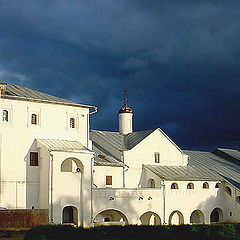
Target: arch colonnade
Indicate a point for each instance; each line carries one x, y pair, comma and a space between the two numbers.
112, 216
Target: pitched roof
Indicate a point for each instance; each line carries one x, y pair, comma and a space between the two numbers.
62, 145
104, 159
110, 145
117, 140
13, 91
201, 166
230, 154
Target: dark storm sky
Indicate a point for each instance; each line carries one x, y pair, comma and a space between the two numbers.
179, 60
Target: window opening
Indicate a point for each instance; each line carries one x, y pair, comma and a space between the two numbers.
229, 191
108, 180
190, 186
5, 116
157, 157
174, 186
151, 183
33, 159
72, 123
34, 119
107, 219
205, 185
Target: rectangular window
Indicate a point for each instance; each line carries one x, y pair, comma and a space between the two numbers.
157, 157
33, 159
108, 180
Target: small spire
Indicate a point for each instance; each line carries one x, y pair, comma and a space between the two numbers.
125, 108
125, 97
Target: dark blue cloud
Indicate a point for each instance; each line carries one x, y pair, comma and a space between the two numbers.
179, 60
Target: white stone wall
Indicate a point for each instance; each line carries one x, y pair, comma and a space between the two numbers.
100, 173
72, 188
17, 138
143, 153
133, 203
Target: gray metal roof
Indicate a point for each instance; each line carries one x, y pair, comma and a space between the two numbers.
112, 144
201, 166
178, 173
103, 159
13, 91
231, 153
117, 140
62, 145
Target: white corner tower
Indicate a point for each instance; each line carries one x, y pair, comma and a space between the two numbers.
125, 117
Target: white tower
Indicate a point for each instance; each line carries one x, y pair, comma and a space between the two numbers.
125, 117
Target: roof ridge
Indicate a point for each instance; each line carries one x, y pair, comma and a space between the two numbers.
18, 92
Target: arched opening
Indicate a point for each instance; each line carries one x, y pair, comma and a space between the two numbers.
218, 185
151, 183
174, 186
72, 122
216, 215
229, 191
70, 215
71, 165
190, 186
197, 216
34, 119
110, 217
205, 185
150, 218
176, 218
238, 199
5, 116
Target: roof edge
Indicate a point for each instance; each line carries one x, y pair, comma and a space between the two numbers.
47, 101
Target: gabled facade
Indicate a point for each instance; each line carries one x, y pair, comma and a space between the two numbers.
49, 159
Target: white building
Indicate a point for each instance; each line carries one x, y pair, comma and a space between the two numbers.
48, 161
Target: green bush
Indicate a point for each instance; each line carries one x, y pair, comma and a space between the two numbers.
134, 232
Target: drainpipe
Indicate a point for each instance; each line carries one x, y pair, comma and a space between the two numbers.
125, 168
16, 192
92, 162
51, 187
88, 119
164, 202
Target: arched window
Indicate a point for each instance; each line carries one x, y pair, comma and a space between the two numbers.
174, 186
229, 191
205, 185
190, 186
5, 116
151, 183
34, 119
238, 199
72, 123
218, 185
